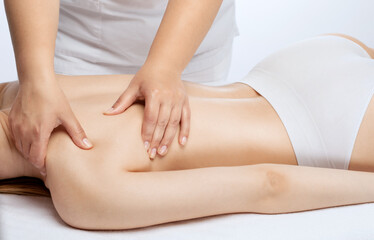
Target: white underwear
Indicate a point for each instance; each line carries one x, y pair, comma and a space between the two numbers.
320, 88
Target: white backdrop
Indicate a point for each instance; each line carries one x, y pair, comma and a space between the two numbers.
265, 26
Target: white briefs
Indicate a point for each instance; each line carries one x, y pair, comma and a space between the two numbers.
320, 88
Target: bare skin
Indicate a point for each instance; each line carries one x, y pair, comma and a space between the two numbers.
116, 185
240, 102
33, 27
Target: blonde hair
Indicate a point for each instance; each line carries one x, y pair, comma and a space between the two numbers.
24, 186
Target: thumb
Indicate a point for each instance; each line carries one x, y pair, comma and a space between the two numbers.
127, 98
76, 131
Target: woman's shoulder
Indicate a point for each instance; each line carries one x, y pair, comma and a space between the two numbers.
8, 91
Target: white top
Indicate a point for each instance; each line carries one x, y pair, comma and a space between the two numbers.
114, 36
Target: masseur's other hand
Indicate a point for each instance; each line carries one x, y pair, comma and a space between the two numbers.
36, 111
166, 106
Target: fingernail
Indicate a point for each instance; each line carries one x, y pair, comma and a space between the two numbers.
146, 145
37, 165
87, 142
184, 140
153, 153
43, 172
110, 110
162, 150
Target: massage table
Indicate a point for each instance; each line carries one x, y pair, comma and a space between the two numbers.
34, 218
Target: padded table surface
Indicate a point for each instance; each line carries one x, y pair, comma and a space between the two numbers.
24, 217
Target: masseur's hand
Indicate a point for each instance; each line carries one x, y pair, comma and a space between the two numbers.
166, 106
36, 111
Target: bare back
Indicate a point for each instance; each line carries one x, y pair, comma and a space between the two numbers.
234, 126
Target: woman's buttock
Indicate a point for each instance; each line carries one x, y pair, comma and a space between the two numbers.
362, 157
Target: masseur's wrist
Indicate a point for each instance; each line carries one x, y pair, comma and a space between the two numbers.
41, 79
168, 71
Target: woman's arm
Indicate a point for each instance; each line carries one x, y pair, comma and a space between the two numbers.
125, 200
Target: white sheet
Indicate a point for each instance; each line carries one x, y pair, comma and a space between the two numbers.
32, 218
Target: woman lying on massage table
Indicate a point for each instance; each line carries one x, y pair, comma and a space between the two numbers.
308, 105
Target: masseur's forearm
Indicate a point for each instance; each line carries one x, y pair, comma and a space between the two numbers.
183, 27
33, 27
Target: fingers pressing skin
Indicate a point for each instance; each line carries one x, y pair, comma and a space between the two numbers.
38, 152
151, 111
127, 98
19, 136
185, 123
76, 131
36, 111
165, 131
13, 133
166, 103
26, 146
170, 131
158, 132
29, 142
161, 122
